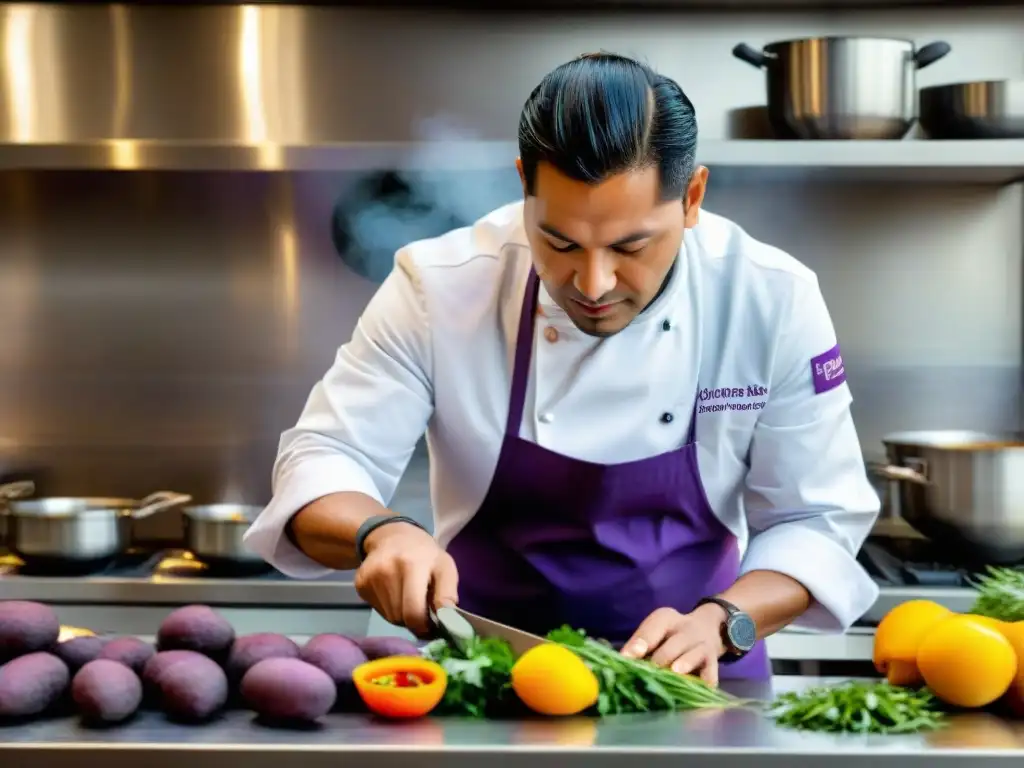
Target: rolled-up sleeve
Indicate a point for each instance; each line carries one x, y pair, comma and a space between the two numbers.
361, 422
809, 503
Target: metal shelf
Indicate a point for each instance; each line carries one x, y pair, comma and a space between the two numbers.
978, 162
629, 6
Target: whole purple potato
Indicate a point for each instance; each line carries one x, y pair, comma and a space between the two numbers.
251, 649
153, 672
130, 651
382, 647
196, 628
336, 655
193, 688
31, 684
154, 668
78, 651
288, 690
106, 691
26, 627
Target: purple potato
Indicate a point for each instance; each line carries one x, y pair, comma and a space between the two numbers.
251, 649
31, 684
78, 651
155, 667
382, 647
26, 627
288, 690
196, 628
193, 688
130, 651
336, 655
106, 691
153, 672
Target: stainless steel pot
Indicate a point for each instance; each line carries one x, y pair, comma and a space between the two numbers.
964, 490
988, 109
14, 490
842, 87
79, 530
213, 533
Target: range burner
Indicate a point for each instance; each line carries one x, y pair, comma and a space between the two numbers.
905, 562
136, 563
181, 564
140, 564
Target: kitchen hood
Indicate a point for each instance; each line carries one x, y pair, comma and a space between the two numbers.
242, 87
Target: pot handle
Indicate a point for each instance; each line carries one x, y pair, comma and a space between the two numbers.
752, 56
898, 474
931, 53
17, 490
160, 501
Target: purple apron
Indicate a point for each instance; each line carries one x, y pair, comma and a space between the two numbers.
598, 547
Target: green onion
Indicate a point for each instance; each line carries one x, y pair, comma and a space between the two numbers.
632, 685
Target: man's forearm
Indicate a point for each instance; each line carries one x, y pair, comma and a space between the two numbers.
325, 530
772, 599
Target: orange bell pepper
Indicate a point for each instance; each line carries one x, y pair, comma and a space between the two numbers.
400, 686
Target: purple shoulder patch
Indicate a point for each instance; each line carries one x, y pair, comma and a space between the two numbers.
827, 370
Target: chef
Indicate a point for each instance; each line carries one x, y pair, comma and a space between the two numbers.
637, 414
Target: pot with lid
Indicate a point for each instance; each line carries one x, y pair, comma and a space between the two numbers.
842, 87
79, 530
964, 490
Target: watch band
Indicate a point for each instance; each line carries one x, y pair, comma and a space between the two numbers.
371, 524
725, 605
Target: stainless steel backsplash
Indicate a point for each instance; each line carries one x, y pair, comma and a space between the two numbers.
159, 330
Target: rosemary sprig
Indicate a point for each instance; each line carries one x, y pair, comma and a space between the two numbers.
858, 707
1000, 594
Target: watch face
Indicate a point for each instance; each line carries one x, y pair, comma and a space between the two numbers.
742, 632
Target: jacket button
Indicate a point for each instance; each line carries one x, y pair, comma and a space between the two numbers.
551, 334
666, 418
547, 418
666, 325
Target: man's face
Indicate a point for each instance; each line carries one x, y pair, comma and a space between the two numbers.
604, 250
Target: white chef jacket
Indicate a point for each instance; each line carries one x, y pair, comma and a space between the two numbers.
746, 325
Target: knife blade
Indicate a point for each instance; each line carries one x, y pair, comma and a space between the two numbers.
460, 627
519, 641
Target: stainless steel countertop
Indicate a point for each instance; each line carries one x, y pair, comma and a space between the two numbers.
719, 738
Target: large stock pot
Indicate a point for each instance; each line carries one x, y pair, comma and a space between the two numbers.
962, 489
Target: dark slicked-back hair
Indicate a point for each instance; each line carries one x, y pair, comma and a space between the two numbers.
602, 114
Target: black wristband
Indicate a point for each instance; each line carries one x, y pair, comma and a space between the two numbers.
371, 524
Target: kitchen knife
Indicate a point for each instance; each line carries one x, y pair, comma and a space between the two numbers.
519, 641
459, 627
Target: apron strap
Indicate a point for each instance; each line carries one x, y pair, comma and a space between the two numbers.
524, 354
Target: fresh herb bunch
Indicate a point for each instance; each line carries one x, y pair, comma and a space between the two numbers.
479, 681
858, 707
630, 685
1000, 594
